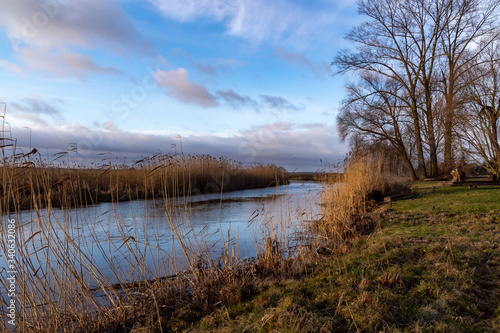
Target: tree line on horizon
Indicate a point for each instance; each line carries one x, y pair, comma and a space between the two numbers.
425, 82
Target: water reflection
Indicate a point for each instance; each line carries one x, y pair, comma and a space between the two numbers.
115, 239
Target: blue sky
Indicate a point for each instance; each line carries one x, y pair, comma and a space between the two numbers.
249, 80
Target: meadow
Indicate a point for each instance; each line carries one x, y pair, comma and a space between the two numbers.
431, 264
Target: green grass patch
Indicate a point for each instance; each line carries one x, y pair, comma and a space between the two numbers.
434, 266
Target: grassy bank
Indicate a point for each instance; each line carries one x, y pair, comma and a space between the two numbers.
433, 264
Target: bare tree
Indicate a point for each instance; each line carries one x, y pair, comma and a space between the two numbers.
472, 25
480, 119
374, 110
400, 41
427, 46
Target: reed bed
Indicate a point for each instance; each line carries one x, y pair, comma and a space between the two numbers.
83, 270
353, 193
66, 183
61, 237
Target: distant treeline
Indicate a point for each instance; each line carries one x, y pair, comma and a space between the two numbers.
313, 176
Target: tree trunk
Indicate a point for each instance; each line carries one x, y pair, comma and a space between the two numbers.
411, 170
432, 139
448, 123
401, 149
422, 172
495, 143
432, 143
448, 142
433, 157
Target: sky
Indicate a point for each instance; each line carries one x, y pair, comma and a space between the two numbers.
249, 80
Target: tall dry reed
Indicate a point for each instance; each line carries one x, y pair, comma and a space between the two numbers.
348, 198
64, 185
60, 286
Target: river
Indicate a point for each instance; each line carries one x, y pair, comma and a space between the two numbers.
143, 239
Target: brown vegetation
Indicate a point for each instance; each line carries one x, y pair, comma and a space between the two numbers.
25, 183
61, 289
349, 200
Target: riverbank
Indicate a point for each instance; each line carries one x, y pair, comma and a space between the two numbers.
211, 253
314, 176
35, 183
83, 255
426, 262
433, 264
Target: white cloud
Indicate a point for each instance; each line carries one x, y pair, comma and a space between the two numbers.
258, 20
62, 62
181, 88
38, 30
210, 67
286, 141
31, 120
280, 103
236, 100
188, 10
303, 62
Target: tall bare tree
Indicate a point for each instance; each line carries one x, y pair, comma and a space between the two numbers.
427, 46
400, 41
472, 26
479, 128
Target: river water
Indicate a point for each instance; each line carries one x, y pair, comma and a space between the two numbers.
137, 240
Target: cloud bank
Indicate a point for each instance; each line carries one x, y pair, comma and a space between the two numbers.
284, 144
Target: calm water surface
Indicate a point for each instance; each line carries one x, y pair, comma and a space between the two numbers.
116, 239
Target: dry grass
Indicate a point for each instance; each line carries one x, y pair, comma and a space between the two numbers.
434, 266
348, 200
31, 179
62, 289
